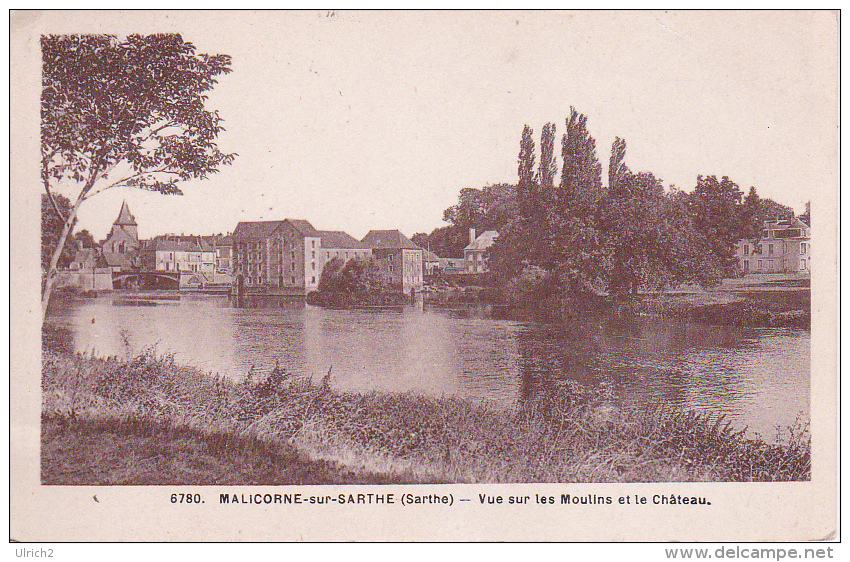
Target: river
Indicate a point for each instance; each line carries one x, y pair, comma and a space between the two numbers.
758, 377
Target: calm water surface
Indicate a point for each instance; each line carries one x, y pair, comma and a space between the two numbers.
759, 377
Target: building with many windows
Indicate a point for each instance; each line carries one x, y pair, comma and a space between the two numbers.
400, 261
283, 254
338, 244
784, 247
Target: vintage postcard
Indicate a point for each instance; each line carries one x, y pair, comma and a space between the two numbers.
424, 276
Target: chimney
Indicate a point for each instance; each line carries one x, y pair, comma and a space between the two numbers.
471, 235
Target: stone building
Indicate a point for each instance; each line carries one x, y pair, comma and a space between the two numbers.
400, 261
783, 247
283, 254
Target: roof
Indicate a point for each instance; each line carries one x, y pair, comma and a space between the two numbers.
179, 244
304, 227
258, 229
339, 239
484, 240
388, 239
263, 229
125, 261
456, 263
125, 217
431, 256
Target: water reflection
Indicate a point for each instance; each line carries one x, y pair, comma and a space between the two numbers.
760, 377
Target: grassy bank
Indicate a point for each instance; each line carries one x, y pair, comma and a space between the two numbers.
736, 302
151, 421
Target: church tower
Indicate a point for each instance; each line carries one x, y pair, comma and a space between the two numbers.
127, 222
124, 235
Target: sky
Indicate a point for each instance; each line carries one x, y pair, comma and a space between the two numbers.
376, 120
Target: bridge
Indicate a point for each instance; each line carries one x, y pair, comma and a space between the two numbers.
146, 280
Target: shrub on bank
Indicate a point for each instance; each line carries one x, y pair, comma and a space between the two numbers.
569, 434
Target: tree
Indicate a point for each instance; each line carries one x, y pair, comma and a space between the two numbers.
548, 165
575, 243
124, 113
527, 185
51, 229
84, 239
581, 178
716, 209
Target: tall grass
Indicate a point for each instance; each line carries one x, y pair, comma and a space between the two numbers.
571, 434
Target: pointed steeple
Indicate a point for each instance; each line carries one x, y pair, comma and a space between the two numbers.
125, 217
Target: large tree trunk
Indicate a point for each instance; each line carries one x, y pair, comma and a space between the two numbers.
57, 253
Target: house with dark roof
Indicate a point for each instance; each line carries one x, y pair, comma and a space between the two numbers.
475, 253
400, 261
783, 247
285, 254
339, 244
191, 256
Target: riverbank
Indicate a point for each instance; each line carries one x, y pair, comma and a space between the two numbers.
765, 301
152, 421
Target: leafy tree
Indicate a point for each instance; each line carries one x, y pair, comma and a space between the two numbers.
125, 113
330, 278
575, 241
716, 209
548, 165
527, 185
420, 239
52, 223
581, 178
489, 208
84, 239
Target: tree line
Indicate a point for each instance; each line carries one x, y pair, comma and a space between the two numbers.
621, 236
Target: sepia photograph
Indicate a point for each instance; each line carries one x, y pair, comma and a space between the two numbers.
428, 253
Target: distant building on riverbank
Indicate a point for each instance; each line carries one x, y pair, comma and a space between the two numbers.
783, 247
400, 261
284, 254
191, 256
475, 253
339, 244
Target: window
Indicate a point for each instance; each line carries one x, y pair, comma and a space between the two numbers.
746, 265
313, 242
770, 265
328, 256
292, 255
314, 254
759, 265
758, 249
314, 265
313, 279
391, 268
770, 248
390, 257
803, 264
293, 279
802, 248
